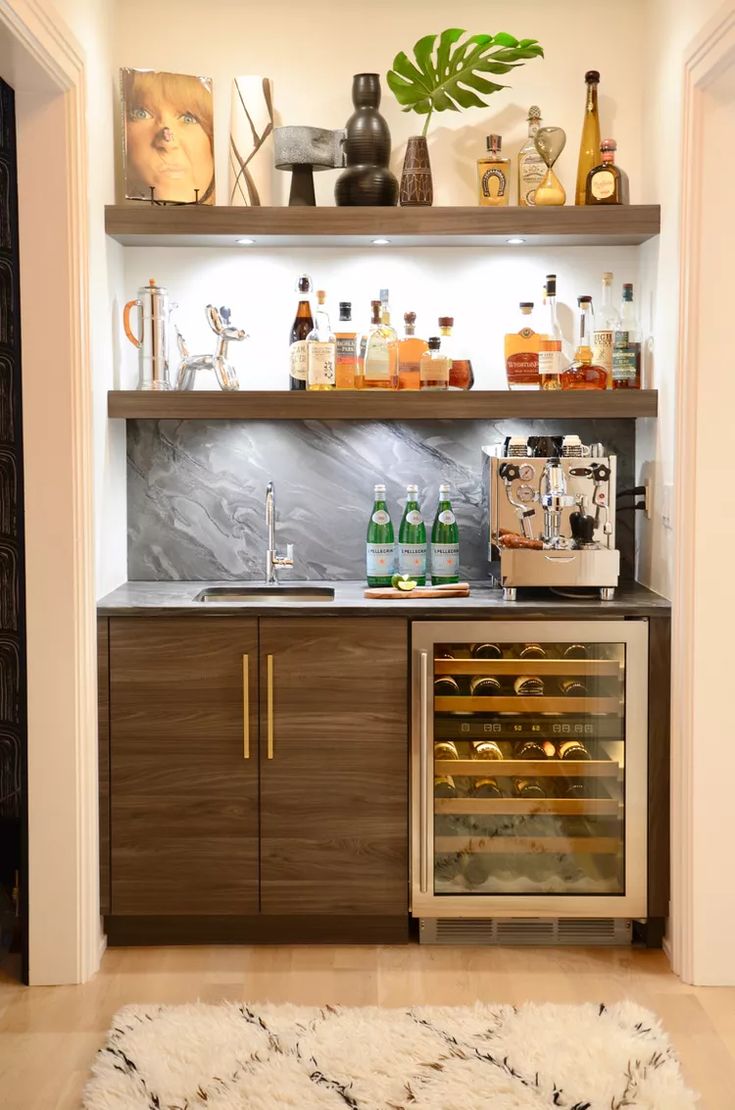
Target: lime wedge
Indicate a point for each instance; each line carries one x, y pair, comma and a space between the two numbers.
405, 583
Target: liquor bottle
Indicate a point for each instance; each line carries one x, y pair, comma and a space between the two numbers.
583, 373
522, 351
346, 369
486, 788
444, 542
445, 686
410, 350
606, 182
606, 324
434, 366
321, 350
444, 787
302, 325
485, 686
374, 323
446, 324
381, 548
529, 788
531, 166
627, 345
380, 370
572, 749
589, 145
485, 651
529, 749
549, 356
493, 174
486, 749
412, 539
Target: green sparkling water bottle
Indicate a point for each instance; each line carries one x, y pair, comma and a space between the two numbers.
380, 547
412, 540
444, 542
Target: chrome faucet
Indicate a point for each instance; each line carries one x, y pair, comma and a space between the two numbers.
272, 559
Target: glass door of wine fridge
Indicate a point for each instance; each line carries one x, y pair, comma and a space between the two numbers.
529, 769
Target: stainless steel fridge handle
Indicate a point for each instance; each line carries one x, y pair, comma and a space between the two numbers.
424, 801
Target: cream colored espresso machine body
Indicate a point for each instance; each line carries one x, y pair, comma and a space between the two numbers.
552, 520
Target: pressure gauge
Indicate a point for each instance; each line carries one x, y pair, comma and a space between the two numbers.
526, 473
524, 494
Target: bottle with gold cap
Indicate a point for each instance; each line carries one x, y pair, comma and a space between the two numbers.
493, 175
321, 350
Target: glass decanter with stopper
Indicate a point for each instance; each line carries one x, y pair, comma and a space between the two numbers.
380, 367
583, 373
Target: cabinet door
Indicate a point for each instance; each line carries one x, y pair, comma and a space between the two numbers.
184, 794
334, 766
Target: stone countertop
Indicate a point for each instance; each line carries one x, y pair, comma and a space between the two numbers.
177, 598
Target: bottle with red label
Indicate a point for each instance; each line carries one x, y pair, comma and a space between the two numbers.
522, 350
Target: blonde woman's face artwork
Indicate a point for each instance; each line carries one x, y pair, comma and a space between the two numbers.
168, 136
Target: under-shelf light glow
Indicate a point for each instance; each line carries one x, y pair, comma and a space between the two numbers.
515, 241
245, 242
380, 242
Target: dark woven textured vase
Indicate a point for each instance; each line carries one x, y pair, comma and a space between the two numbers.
417, 186
367, 179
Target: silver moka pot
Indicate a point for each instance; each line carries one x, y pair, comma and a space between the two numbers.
151, 340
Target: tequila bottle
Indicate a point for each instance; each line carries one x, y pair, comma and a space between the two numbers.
380, 370
321, 350
606, 324
583, 373
493, 174
606, 182
410, 350
412, 539
444, 542
380, 548
531, 166
589, 145
302, 325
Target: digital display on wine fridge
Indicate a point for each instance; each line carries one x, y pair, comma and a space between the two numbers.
523, 776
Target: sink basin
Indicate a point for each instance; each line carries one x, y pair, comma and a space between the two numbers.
267, 594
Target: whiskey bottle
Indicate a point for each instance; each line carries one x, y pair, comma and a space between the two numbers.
380, 370
412, 539
321, 350
589, 145
410, 350
522, 352
461, 374
434, 366
606, 182
607, 324
444, 542
493, 174
346, 337
531, 166
486, 749
381, 546
583, 373
626, 356
302, 325
549, 355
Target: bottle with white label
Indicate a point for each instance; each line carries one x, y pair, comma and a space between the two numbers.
607, 322
412, 539
321, 350
302, 325
381, 548
444, 542
531, 166
550, 355
380, 361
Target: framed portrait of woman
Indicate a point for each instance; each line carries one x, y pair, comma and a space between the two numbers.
168, 137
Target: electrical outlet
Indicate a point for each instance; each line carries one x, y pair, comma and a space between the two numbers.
648, 498
667, 508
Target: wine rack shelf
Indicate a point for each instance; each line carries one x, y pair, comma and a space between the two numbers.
529, 768
586, 807
604, 667
519, 704
139, 224
507, 845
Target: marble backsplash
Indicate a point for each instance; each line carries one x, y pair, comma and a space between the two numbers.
196, 490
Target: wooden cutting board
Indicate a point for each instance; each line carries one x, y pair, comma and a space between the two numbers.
388, 593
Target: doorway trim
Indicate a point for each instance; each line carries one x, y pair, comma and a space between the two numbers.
42, 61
705, 59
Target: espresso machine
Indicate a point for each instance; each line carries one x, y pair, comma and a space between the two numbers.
551, 511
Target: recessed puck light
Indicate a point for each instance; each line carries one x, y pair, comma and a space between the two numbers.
245, 242
515, 241
380, 242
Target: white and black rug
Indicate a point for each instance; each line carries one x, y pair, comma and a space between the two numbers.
265, 1057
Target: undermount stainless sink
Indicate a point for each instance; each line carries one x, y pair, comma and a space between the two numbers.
266, 594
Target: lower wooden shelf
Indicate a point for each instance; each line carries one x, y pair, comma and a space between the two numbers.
530, 845
529, 768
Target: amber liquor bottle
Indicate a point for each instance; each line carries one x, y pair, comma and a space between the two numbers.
583, 373
410, 350
302, 326
606, 182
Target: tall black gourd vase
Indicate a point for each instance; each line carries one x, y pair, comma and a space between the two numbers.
367, 179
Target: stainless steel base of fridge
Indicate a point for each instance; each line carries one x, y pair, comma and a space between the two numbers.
541, 932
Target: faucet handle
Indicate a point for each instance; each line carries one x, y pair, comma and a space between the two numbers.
288, 561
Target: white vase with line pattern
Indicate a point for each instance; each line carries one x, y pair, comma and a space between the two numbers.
250, 154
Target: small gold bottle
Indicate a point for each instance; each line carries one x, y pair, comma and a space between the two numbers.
493, 175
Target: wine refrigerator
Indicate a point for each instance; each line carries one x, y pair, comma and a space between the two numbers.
529, 780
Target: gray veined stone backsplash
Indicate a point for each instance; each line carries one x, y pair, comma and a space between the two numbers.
196, 490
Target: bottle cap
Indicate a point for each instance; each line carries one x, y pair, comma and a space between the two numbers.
608, 144
304, 285
607, 278
526, 306
494, 143
584, 300
321, 296
383, 296
409, 317
380, 489
412, 489
592, 76
446, 321
444, 487
435, 343
534, 112
551, 285
345, 310
628, 291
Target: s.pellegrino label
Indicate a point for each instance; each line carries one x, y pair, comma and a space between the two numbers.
380, 561
445, 561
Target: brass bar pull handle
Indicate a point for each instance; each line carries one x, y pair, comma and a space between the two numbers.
245, 707
425, 815
269, 679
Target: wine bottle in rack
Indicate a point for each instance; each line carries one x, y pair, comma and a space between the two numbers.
529, 749
486, 788
576, 651
573, 688
529, 788
572, 749
528, 686
571, 788
486, 749
486, 651
533, 651
444, 787
445, 749
445, 685
485, 686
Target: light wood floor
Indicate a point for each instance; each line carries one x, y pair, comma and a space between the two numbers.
49, 1035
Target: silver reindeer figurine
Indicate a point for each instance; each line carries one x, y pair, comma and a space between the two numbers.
219, 322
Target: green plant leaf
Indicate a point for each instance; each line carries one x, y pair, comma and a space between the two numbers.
446, 73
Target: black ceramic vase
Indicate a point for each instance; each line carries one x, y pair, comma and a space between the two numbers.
367, 179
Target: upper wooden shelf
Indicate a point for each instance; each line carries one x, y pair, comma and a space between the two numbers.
138, 224
382, 405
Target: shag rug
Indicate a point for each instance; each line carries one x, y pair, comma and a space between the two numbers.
235, 1056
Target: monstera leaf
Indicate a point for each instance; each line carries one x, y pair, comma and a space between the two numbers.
450, 76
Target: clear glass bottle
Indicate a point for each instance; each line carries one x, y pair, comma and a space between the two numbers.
606, 182
346, 337
380, 368
589, 145
380, 546
493, 174
302, 325
627, 345
522, 352
550, 355
434, 366
321, 349
583, 373
531, 166
410, 350
412, 539
606, 324
444, 542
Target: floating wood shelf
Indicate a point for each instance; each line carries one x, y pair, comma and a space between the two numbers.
382, 405
138, 224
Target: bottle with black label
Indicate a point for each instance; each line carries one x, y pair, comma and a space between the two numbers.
303, 324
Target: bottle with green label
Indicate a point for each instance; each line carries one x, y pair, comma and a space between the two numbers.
444, 542
412, 540
381, 548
